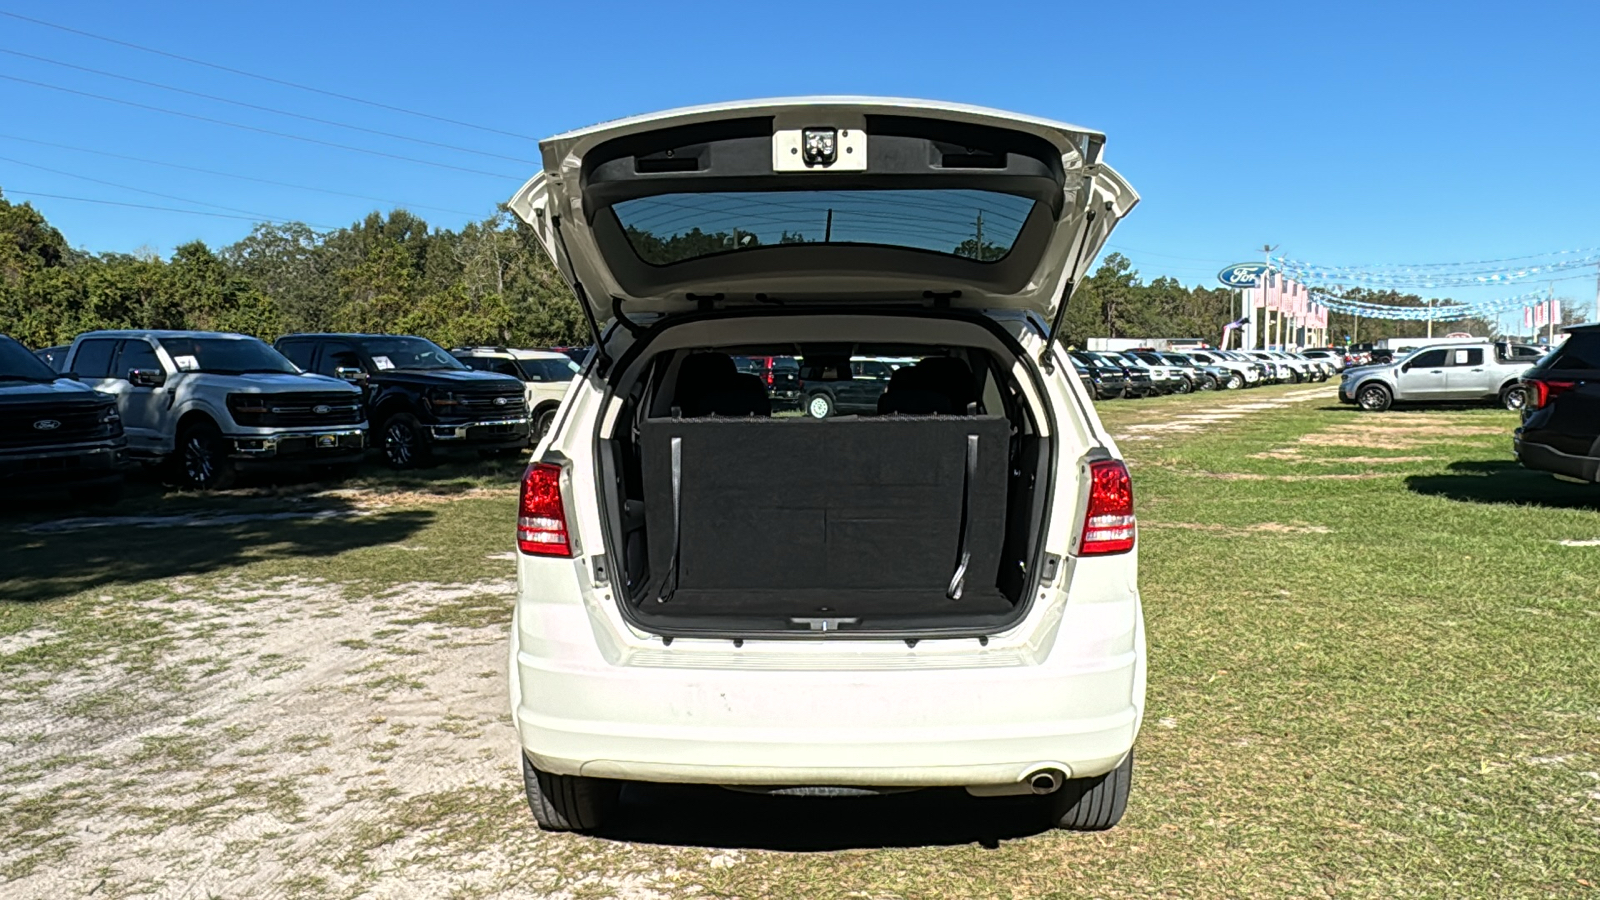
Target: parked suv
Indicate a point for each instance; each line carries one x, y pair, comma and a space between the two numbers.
781, 375
841, 385
1449, 373
938, 592
1240, 373
419, 398
208, 404
1560, 430
545, 377
55, 431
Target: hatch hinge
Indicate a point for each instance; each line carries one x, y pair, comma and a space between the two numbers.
941, 299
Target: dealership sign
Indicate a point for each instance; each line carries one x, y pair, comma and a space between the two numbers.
1243, 275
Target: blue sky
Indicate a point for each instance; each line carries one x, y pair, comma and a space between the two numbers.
1346, 133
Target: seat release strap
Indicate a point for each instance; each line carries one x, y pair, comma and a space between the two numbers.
963, 553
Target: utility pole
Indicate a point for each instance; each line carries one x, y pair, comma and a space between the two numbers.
978, 251
1430, 317
1550, 315
1597, 293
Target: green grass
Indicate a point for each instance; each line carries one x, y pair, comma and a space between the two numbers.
1374, 672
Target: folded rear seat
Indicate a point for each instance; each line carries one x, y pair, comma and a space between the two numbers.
837, 517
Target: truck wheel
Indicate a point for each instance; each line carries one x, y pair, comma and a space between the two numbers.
1235, 381
405, 444
819, 406
203, 462
569, 802
1093, 804
1183, 386
1513, 397
1374, 398
541, 425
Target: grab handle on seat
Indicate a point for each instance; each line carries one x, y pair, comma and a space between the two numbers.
963, 553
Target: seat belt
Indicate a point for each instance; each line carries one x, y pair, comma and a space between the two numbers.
669, 584
963, 553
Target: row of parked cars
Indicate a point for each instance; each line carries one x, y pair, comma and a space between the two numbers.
1145, 372
203, 406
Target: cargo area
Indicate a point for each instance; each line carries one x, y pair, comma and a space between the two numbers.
917, 517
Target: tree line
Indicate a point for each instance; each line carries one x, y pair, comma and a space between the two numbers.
487, 283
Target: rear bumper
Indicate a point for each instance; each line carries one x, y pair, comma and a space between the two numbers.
946, 713
1545, 458
79, 465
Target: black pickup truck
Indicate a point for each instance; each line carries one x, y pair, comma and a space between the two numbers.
56, 432
420, 399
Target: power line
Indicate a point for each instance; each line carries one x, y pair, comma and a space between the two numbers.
266, 78
293, 137
191, 212
125, 187
285, 184
269, 109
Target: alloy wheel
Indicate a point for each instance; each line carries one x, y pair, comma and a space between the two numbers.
399, 443
198, 462
1374, 399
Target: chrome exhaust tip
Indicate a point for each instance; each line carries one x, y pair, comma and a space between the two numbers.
1047, 781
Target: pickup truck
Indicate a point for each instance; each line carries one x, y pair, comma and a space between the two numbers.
56, 433
1467, 372
207, 404
421, 399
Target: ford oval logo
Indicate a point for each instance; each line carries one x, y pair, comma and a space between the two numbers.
47, 424
1242, 275
500, 401
321, 410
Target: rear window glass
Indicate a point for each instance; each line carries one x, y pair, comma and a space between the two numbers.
1581, 351
671, 228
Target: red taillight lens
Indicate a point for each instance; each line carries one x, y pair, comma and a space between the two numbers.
1540, 393
541, 518
1108, 526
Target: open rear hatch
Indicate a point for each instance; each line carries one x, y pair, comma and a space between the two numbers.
923, 518
825, 199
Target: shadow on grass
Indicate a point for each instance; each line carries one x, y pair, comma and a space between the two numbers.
1504, 481
681, 815
88, 549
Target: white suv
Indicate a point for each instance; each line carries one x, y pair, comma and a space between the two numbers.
940, 593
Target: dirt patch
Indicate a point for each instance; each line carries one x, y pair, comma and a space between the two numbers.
1394, 436
363, 498
288, 740
1294, 455
1258, 528
1252, 476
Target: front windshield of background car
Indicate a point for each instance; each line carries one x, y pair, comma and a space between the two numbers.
17, 364
409, 353
226, 356
563, 369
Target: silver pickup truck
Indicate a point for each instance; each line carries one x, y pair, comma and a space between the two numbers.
208, 404
1466, 372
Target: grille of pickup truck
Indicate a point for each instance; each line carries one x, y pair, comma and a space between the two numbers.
303, 410
31, 425
496, 403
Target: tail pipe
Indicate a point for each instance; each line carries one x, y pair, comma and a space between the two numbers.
1046, 781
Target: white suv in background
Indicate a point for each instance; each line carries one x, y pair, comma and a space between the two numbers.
940, 593
545, 376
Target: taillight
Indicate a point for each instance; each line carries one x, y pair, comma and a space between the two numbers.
541, 518
1108, 526
1540, 393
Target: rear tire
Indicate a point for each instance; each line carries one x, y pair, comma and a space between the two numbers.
819, 406
1513, 397
1093, 804
569, 802
202, 458
1374, 398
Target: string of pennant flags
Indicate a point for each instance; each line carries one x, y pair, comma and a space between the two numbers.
1305, 306
1440, 275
